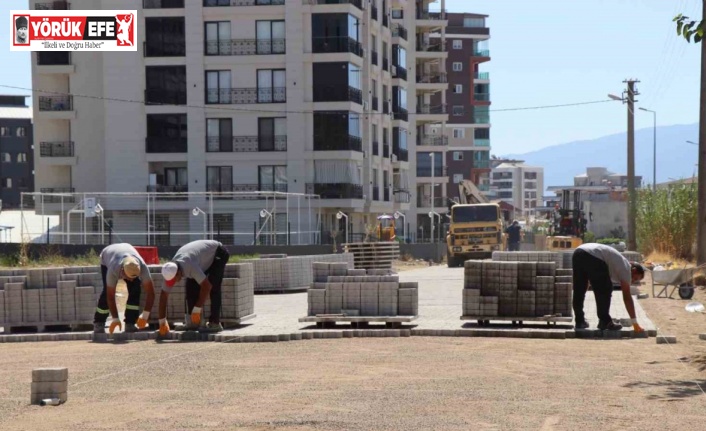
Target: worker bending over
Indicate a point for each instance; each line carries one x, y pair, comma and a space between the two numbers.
203, 264
123, 262
603, 266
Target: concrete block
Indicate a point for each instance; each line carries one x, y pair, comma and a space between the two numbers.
666, 339
643, 296
36, 398
50, 387
50, 374
702, 336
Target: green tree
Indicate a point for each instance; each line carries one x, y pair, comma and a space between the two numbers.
689, 28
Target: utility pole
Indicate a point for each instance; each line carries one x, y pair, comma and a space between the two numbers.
701, 211
632, 196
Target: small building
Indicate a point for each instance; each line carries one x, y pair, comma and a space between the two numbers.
519, 184
16, 150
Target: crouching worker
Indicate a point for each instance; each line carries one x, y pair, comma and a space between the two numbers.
603, 266
123, 262
203, 265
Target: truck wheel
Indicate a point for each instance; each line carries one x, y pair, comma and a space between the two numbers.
451, 261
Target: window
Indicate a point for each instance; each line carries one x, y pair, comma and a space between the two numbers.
458, 88
354, 124
424, 169
167, 133
272, 178
21, 132
166, 85
218, 86
459, 133
5, 157
374, 42
165, 37
375, 178
375, 133
397, 13
270, 37
271, 85
457, 66
272, 134
374, 88
473, 22
458, 43
530, 175
175, 177
218, 38
4, 131
219, 178
458, 178
21, 157
458, 156
7, 183
530, 185
219, 135
354, 76
481, 133
530, 195
458, 111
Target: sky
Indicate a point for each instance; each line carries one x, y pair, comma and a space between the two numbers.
550, 52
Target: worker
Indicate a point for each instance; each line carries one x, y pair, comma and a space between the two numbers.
123, 262
514, 238
603, 266
203, 263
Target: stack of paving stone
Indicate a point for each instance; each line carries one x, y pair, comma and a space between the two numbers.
632, 256
279, 272
530, 256
356, 292
48, 384
516, 289
374, 255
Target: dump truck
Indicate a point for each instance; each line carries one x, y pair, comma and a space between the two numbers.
477, 228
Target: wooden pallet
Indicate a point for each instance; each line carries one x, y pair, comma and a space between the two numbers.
373, 255
485, 320
329, 320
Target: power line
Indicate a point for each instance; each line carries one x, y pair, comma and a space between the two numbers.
218, 107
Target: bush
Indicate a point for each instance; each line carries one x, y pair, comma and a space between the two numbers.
589, 237
609, 241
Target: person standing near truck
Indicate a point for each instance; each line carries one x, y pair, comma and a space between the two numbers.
514, 232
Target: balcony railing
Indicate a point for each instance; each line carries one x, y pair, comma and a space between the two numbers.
426, 15
401, 153
484, 187
165, 97
324, 45
400, 114
376, 193
326, 143
481, 164
398, 30
57, 199
160, 144
433, 141
482, 53
375, 103
432, 78
402, 196
155, 49
246, 47
356, 3
376, 148
216, 3
177, 190
425, 201
53, 58
56, 103
385, 107
245, 144
386, 64
244, 96
431, 110
355, 95
374, 57
336, 191
163, 4
481, 119
54, 5
374, 13
481, 75
56, 149
386, 194
481, 142
386, 151
431, 47
426, 172
481, 97
399, 72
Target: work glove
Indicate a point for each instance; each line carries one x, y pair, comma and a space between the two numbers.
196, 315
115, 322
143, 319
163, 327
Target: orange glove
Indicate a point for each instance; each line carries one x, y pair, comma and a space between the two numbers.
142, 320
115, 323
163, 327
196, 315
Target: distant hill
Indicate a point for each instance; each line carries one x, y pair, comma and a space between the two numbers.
675, 158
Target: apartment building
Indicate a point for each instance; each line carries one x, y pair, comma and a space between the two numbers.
16, 154
304, 96
520, 185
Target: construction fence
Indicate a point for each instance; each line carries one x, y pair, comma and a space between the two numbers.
172, 219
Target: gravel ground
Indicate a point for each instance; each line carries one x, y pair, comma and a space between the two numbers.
417, 383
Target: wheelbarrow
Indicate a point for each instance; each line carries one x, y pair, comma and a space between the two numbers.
678, 279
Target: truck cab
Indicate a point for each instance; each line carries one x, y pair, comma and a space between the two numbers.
475, 232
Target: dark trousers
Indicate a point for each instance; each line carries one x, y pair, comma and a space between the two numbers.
215, 276
589, 268
132, 310
513, 246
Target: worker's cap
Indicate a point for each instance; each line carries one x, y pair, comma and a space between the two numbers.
169, 272
21, 22
131, 267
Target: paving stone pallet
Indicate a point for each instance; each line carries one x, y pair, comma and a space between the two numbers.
373, 255
280, 273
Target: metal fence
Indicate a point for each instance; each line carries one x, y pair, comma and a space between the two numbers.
173, 218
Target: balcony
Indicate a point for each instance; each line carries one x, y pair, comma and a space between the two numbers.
178, 192
375, 103
399, 72
398, 30
245, 96
400, 114
426, 15
161, 145
376, 193
432, 78
374, 57
481, 118
402, 154
426, 201
69, 198
326, 143
478, 30
56, 103
56, 149
165, 97
432, 141
431, 110
402, 196
53, 58
481, 164
386, 151
55, 5
217, 3
481, 53
374, 13
327, 45
386, 194
246, 47
336, 191
175, 49
481, 142
431, 47
484, 187
356, 3
481, 76
481, 97
163, 4
245, 144
355, 95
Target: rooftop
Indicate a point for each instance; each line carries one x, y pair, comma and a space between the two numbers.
511, 165
15, 112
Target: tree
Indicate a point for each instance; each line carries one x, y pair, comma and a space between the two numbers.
693, 29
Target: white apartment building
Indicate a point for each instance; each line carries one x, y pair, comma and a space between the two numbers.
296, 96
520, 185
